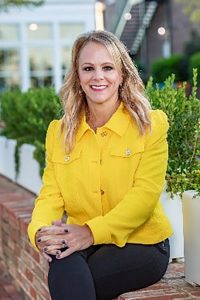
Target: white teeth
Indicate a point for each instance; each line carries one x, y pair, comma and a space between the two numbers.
98, 87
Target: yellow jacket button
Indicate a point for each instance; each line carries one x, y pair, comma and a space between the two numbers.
128, 152
102, 192
104, 133
67, 158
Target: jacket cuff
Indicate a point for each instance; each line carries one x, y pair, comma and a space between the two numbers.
32, 230
100, 230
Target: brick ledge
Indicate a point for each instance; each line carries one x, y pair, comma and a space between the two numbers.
29, 268
24, 264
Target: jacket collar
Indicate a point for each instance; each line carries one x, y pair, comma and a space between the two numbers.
118, 123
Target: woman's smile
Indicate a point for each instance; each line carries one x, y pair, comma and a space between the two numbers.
98, 88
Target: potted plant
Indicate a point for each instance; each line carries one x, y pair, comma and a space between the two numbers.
191, 226
26, 116
183, 171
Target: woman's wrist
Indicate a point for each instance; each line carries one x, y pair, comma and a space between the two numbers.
89, 232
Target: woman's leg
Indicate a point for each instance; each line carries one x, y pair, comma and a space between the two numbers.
70, 278
118, 270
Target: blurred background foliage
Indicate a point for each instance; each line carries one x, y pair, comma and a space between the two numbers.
181, 65
6, 4
191, 8
26, 116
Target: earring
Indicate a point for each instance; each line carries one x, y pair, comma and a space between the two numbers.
81, 93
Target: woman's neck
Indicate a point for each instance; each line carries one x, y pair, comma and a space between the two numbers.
99, 115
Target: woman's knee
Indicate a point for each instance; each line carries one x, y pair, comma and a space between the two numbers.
65, 267
68, 273
118, 270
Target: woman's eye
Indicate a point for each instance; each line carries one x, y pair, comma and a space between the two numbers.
108, 68
87, 69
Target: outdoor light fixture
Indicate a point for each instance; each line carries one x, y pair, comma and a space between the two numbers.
161, 31
127, 16
33, 27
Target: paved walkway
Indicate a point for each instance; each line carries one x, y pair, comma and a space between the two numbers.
171, 287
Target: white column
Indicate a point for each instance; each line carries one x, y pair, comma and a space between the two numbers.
24, 63
57, 57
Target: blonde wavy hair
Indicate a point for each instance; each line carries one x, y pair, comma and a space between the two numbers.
131, 92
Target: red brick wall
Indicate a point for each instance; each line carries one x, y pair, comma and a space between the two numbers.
27, 267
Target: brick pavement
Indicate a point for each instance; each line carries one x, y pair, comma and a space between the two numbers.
171, 287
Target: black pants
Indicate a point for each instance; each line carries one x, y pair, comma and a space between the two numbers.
103, 272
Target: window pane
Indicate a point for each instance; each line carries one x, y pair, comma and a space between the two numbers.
9, 32
41, 69
9, 69
41, 81
65, 59
40, 59
9, 82
39, 31
71, 31
9, 60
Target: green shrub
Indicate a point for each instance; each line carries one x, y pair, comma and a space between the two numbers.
164, 67
194, 62
27, 115
183, 113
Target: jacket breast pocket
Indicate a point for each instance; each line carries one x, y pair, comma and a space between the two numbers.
66, 170
126, 159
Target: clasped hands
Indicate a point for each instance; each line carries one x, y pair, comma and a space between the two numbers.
50, 240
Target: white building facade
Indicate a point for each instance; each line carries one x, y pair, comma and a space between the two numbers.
35, 42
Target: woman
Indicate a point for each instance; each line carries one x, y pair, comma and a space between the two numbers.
106, 165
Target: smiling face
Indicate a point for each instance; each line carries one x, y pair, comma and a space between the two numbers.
98, 74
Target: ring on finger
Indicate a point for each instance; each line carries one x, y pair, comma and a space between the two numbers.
64, 245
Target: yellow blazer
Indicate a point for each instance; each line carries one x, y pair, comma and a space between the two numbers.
111, 181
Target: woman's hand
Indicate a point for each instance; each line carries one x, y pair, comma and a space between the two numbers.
51, 239
78, 238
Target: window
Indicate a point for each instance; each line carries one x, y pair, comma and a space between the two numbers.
9, 57
40, 38
65, 59
38, 50
71, 31
41, 66
68, 33
39, 31
9, 32
9, 69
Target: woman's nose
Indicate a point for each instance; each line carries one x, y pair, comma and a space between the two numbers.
98, 74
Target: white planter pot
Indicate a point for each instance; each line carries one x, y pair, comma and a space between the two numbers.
29, 176
173, 210
191, 226
2, 154
8, 158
